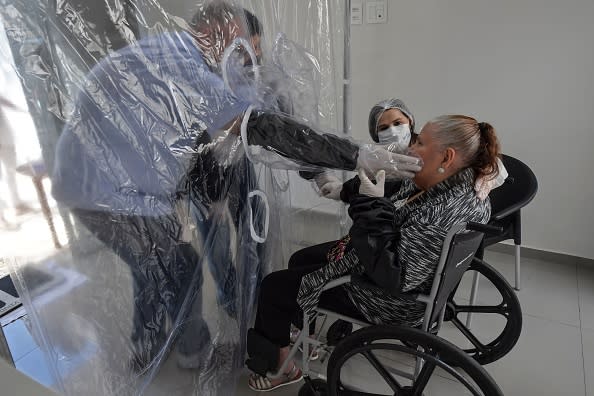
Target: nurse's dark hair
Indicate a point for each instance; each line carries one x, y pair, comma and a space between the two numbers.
254, 25
475, 142
221, 13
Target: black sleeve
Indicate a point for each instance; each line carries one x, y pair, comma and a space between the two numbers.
350, 189
391, 187
308, 175
300, 143
375, 239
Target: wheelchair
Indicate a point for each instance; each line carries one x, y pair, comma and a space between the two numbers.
405, 361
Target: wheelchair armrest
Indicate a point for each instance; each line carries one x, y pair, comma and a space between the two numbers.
484, 228
508, 211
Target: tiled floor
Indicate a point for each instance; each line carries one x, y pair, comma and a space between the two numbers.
554, 356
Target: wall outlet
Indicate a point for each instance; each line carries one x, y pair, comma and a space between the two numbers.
377, 11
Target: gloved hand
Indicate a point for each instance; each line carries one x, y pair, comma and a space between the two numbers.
331, 190
368, 188
325, 177
329, 185
373, 158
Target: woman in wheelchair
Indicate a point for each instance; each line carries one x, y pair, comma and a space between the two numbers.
395, 243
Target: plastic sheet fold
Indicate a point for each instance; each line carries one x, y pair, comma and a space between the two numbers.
171, 134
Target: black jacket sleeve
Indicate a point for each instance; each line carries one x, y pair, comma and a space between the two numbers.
300, 143
350, 189
375, 239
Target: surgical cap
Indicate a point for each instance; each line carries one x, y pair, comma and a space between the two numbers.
377, 111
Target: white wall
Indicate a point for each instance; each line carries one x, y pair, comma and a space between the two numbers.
526, 66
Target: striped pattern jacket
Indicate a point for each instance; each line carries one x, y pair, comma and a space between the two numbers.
415, 235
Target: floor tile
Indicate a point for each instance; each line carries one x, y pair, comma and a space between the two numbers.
34, 365
549, 290
586, 295
19, 339
547, 360
588, 345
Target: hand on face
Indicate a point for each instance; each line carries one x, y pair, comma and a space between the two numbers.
373, 158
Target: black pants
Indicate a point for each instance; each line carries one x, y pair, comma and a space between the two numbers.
163, 270
311, 256
277, 304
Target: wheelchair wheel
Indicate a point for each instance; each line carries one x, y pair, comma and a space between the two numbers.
377, 354
507, 308
316, 387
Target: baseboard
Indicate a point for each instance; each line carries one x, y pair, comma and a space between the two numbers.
541, 254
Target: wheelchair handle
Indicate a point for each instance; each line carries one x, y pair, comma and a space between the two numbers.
486, 228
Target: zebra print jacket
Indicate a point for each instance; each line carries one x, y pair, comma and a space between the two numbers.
409, 237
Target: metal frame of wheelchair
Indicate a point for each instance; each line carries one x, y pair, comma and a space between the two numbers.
457, 257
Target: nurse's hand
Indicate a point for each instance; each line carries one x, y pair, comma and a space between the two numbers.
373, 158
370, 189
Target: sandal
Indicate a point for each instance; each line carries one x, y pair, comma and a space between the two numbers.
263, 384
313, 353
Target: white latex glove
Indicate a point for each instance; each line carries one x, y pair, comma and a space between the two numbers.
368, 188
328, 185
373, 158
331, 190
324, 178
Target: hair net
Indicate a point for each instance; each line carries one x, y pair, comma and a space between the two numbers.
378, 109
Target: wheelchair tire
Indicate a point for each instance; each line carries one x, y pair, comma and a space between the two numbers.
436, 351
320, 388
337, 331
508, 308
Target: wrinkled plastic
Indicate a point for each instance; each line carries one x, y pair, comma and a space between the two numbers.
169, 214
372, 159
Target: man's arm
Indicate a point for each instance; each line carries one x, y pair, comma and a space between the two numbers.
301, 144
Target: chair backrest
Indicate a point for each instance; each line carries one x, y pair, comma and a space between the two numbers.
458, 256
518, 190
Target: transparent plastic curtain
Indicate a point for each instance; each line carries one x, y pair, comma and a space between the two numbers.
163, 249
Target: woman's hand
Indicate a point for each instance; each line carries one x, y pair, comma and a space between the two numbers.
368, 188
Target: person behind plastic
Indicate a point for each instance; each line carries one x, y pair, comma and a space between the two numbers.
143, 115
396, 241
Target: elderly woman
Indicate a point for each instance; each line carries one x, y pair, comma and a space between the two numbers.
405, 230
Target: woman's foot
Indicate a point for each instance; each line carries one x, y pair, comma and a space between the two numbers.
263, 384
313, 353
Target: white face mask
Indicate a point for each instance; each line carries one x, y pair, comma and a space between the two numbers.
398, 135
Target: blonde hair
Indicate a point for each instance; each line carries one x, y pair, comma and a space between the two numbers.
475, 142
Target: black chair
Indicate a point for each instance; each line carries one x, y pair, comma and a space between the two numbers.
506, 203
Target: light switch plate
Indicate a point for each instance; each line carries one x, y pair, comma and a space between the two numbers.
356, 12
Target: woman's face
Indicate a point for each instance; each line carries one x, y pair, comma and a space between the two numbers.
393, 128
431, 153
391, 117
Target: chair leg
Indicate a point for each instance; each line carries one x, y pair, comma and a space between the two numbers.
473, 297
518, 284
